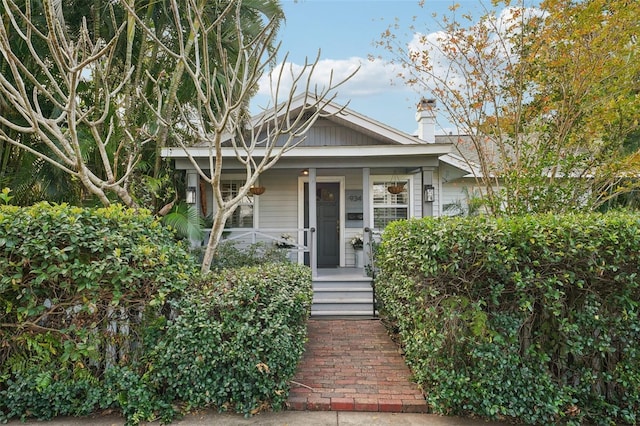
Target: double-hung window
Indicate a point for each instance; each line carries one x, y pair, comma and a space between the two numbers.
242, 217
388, 206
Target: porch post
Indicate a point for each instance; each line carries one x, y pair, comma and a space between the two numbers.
427, 179
366, 216
192, 182
313, 223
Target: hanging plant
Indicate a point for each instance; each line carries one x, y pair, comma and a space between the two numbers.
257, 190
396, 189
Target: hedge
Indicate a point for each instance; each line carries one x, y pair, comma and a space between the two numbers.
237, 340
533, 319
101, 308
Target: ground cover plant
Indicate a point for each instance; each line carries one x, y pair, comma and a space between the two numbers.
103, 309
533, 319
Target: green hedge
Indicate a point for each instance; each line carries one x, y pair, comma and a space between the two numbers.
101, 308
530, 318
77, 287
237, 340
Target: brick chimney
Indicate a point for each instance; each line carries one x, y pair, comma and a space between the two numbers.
426, 118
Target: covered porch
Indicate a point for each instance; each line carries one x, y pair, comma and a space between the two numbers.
337, 291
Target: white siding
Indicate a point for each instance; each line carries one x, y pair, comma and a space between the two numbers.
455, 196
278, 206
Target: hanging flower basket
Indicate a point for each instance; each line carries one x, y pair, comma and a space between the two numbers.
395, 189
257, 190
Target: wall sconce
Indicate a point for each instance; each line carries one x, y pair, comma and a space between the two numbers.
429, 193
304, 172
191, 195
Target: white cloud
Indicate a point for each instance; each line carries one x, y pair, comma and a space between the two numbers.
371, 77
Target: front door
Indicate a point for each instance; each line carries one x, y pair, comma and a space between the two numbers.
328, 220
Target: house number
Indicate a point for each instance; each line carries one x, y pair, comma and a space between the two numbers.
355, 197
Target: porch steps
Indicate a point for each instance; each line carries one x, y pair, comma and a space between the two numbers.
342, 297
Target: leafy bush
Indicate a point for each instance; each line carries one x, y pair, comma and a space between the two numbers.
532, 318
237, 339
102, 309
76, 289
229, 255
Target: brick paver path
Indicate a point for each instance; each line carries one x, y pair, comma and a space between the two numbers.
352, 365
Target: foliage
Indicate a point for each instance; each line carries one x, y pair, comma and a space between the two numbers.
102, 309
357, 242
77, 287
81, 81
545, 96
533, 318
186, 221
236, 340
285, 241
5, 197
230, 255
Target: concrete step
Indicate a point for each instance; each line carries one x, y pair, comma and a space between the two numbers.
344, 293
343, 314
342, 297
341, 284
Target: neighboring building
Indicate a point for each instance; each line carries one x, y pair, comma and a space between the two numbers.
349, 161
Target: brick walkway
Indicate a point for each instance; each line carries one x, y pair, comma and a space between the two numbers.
352, 365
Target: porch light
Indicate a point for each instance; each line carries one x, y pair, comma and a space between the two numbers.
191, 195
429, 193
257, 190
304, 172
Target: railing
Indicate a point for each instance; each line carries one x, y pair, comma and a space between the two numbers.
373, 237
273, 236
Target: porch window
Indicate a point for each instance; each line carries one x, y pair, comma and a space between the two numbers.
242, 217
388, 207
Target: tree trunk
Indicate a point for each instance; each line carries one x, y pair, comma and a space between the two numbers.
214, 240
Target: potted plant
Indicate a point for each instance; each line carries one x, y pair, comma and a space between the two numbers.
357, 243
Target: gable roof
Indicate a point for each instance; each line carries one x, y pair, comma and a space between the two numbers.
391, 142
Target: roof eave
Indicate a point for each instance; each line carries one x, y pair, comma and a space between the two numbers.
321, 151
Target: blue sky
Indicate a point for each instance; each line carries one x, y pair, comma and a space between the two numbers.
345, 32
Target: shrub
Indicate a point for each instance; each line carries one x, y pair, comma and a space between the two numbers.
76, 288
236, 340
534, 318
100, 308
229, 255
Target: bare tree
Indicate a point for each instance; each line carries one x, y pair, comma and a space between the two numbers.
217, 117
45, 91
209, 53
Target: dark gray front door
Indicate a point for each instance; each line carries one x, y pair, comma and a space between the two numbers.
328, 219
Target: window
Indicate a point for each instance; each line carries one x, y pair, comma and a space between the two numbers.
388, 207
242, 217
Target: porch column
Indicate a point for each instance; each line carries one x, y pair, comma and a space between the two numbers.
192, 185
427, 179
367, 223
313, 223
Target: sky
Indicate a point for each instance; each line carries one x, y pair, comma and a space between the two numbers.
345, 32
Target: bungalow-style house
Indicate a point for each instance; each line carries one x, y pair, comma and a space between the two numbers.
364, 175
